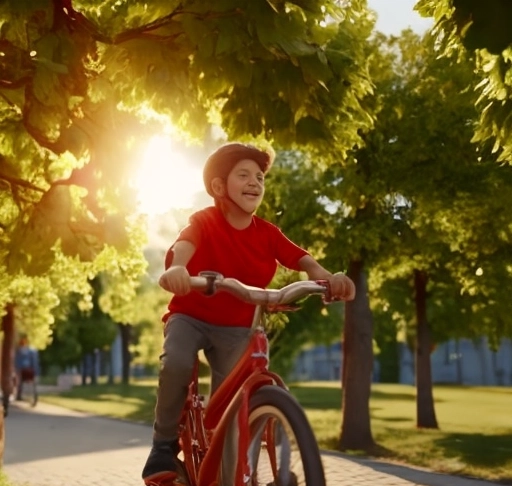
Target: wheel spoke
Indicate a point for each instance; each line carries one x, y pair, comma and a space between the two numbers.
282, 449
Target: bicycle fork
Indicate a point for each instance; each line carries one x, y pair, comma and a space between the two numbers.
231, 440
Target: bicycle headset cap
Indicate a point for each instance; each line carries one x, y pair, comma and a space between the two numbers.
220, 162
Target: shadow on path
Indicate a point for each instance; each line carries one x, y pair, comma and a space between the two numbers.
47, 432
412, 474
53, 446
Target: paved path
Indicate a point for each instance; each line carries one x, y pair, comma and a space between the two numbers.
51, 446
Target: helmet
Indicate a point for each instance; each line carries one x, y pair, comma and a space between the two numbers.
220, 162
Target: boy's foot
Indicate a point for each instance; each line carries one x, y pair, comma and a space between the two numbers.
161, 468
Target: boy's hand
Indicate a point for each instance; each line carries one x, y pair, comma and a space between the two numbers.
176, 280
342, 287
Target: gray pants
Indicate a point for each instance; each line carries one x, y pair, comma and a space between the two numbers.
184, 337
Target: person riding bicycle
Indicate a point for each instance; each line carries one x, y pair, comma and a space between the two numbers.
26, 365
230, 239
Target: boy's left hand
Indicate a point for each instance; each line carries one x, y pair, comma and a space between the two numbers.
342, 287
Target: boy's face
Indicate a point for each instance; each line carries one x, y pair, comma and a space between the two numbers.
245, 185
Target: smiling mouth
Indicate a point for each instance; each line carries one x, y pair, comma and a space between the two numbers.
251, 194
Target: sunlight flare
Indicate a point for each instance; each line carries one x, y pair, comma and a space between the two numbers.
165, 179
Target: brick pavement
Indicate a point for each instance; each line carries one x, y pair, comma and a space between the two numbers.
49, 445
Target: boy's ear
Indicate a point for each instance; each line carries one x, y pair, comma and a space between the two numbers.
218, 187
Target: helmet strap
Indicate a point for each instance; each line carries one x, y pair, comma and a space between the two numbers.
222, 195
221, 203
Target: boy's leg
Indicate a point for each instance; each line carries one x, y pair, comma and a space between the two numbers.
183, 338
227, 344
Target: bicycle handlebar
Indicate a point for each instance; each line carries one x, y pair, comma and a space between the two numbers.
211, 282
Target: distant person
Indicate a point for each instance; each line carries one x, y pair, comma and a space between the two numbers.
26, 365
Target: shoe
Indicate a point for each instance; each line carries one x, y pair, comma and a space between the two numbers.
161, 466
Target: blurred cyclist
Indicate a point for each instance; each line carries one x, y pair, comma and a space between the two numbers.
26, 365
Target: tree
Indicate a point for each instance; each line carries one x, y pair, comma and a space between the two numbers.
442, 184
82, 86
79, 89
412, 200
77, 86
84, 331
482, 28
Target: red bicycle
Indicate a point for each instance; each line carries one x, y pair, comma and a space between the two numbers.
252, 431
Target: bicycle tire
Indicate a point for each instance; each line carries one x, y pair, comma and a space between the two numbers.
278, 426
191, 455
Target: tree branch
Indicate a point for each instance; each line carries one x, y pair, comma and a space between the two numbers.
15, 181
75, 18
18, 83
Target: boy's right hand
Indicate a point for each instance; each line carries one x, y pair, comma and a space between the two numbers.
176, 279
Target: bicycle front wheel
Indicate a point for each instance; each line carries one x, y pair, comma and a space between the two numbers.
283, 450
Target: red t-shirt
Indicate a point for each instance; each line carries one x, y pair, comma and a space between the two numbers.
250, 255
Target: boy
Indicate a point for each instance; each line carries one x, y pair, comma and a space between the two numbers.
227, 238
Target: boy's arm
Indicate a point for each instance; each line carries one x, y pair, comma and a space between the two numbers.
314, 270
176, 278
342, 287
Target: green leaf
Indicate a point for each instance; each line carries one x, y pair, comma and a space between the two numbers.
52, 66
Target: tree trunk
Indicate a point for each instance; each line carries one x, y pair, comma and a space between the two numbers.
125, 330
7, 367
85, 368
8, 348
110, 368
458, 363
94, 367
481, 352
425, 412
357, 366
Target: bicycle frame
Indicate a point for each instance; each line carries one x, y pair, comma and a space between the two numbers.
204, 429
202, 448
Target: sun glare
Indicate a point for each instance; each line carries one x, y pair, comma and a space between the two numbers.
166, 179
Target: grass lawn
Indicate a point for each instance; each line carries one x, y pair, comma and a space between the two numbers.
474, 438
4, 481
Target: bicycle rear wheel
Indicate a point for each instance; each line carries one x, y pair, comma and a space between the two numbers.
283, 450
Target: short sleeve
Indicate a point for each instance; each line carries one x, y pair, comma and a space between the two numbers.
288, 253
192, 233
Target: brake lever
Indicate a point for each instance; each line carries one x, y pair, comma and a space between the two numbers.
272, 308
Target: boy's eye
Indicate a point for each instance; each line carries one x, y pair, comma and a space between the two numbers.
259, 177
